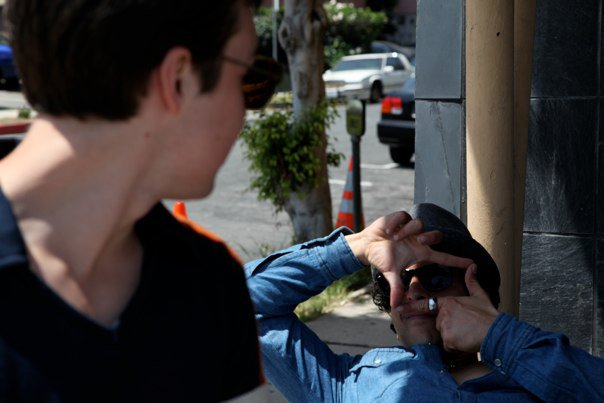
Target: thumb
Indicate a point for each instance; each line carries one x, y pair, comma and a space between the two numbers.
396, 288
472, 283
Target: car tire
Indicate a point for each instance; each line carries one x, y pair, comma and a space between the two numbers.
375, 93
401, 155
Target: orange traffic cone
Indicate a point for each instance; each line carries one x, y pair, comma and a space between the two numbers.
346, 213
180, 209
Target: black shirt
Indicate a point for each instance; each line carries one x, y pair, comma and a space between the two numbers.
188, 333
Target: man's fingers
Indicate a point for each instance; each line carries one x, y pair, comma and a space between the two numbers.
449, 260
396, 288
430, 238
421, 306
472, 283
396, 221
413, 227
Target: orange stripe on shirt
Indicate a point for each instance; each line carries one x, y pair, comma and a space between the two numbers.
207, 234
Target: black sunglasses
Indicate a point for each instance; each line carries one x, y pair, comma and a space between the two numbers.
433, 277
260, 81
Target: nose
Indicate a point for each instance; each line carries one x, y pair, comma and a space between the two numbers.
416, 291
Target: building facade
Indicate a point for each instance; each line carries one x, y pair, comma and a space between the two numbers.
562, 272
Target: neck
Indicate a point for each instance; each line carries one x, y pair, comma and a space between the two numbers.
457, 360
463, 366
77, 191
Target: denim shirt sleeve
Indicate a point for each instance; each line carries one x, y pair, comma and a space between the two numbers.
544, 363
279, 282
295, 360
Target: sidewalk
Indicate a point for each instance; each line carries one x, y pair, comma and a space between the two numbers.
354, 327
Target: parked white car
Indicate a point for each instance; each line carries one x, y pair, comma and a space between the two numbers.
367, 76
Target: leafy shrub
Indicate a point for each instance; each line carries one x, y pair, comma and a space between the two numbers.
282, 151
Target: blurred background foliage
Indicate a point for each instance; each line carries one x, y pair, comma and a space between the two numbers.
350, 30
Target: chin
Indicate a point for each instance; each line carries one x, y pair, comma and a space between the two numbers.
431, 336
206, 192
192, 193
200, 192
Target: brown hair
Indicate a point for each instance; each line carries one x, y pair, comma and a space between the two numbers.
93, 58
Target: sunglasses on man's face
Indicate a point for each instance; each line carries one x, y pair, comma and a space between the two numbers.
433, 277
260, 81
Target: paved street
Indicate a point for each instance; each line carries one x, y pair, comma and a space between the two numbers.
252, 228
11, 100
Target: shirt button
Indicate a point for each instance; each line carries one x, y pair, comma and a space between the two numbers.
497, 362
377, 361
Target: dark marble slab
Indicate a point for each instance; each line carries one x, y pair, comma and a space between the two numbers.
600, 299
439, 133
600, 173
561, 166
556, 287
439, 49
601, 51
565, 59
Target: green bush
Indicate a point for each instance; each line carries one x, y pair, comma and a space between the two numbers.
282, 151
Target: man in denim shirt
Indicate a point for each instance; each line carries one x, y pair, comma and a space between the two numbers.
442, 316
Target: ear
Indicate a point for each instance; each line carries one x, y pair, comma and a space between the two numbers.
171, 74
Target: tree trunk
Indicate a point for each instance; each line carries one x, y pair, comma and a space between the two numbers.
301, 35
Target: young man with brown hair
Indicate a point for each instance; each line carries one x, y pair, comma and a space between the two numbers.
104, 295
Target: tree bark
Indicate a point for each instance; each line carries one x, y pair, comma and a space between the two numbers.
301, 35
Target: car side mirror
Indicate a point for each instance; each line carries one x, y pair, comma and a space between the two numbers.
388, 69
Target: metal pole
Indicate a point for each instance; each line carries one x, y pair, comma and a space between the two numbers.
275, 11
356, 183
355, 126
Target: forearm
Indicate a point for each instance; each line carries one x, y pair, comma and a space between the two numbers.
279, 282
542, 362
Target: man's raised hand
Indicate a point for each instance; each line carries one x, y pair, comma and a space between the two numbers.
463, 322
395, 242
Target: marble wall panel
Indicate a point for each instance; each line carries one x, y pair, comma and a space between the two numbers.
565, 61
556, 288
561, 166
439, 49
439, 135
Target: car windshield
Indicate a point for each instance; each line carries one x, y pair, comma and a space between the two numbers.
358, 64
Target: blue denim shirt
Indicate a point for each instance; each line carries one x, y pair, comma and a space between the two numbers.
528, 364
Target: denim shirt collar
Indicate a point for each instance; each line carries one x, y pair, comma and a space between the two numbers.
428, 354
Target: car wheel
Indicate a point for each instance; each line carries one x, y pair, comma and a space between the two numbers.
375, 94
401, 155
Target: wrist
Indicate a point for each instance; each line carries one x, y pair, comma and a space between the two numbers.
358, 246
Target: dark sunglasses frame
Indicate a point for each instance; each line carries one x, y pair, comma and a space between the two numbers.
432, 277
259, 83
